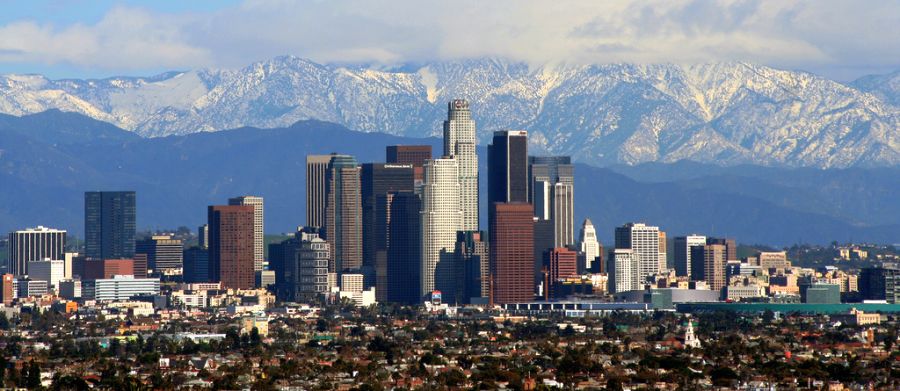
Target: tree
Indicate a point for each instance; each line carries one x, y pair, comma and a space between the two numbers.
69, 382
34, 376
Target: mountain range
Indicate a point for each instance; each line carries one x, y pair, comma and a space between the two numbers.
48, 160
723, 113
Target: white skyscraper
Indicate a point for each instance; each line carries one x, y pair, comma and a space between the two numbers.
34, 244
590, 246
460, 143
258, 233
623, 271
441, 218
643, 240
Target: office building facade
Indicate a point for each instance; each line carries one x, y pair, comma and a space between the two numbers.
34, 244
472, 254
643, 240
163, 252
109, 224
709, 265
52, 271
316, 169
415, 155
376, 180
622, 271
231, 246
258, 227
682, 247
441, 218
552, 192
511, 252
460, 141
404, 250
196, 264
343, 214
508, 167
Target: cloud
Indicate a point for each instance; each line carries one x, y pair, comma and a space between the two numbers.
808, 35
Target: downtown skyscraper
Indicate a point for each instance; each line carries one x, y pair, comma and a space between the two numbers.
258, 227
441, 219
644, 242
343, 214
460, 143
109, 224
231, 245
552, 192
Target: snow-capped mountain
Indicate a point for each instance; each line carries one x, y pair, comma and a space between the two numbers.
725, 113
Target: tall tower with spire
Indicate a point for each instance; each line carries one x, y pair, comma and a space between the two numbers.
459, 143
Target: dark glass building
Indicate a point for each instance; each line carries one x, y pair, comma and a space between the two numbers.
508, 167
163, 252
416, 155
196, 265
109, 224
378, 179
404, 252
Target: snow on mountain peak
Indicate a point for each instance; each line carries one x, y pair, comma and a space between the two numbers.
726, 113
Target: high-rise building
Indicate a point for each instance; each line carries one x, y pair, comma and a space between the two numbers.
378, 179
34, 244
880, 283
312, 270
163, 252
441, 219
284, 261
196, 264
258, 227
560, 263
590, 246
415, 155
48, 270
682, 248
203, 236
644, 241
231, 246
730, 247
404, 250
552, 192
622, 270
141, 264
512, 252
460, 143
316, 169
301, 266
109, 224
473, 255
709, 265
8, 292
508, 167
663, 256
343, 214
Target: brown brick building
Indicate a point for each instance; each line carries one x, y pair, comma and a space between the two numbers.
512, 252
231, 246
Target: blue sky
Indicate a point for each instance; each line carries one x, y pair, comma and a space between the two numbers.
839, 39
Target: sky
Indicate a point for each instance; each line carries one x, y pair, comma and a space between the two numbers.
841, 40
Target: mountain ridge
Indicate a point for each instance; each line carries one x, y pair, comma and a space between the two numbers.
176, 177
721, 113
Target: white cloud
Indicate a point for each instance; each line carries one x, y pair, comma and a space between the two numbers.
816, 35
